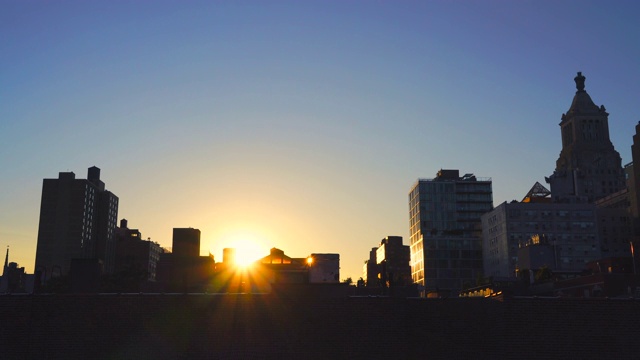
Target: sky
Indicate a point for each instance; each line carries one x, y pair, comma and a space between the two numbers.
300, 125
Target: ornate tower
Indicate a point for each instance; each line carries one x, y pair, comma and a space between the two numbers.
589, 168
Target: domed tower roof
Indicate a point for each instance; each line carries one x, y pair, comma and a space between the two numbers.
582, 102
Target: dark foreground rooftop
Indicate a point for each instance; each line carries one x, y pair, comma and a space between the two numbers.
272, 326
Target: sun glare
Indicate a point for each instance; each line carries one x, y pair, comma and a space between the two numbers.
247, 251
245, 258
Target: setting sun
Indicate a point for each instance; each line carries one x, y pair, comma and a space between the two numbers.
247, 248
247, 252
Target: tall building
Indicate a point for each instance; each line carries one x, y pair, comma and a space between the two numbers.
446, 243
585, 217
588, 168
77, 221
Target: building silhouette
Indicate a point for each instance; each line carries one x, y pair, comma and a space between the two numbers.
389, 264
446, 243
588, 213
394, 259
370, 269
14, 279
279, 268
588, 168
318, 273
633, 177
134, 254
184, 270
186, 242
275, 269
615, 223
324, 268
77, 221
619, 213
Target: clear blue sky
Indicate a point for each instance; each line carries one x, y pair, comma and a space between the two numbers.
302, 124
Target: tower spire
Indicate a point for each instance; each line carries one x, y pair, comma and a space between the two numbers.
6, 261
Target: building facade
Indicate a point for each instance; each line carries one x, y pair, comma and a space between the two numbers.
324, 268
394, 261
615, 224
633, 177
389, 264
446, 243
572, 229
78, 218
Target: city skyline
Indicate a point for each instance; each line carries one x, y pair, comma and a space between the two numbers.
296, 126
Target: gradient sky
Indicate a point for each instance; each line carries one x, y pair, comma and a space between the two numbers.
300, 125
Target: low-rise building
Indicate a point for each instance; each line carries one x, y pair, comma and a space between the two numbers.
324, 268
184, 270
571, 228
133, 254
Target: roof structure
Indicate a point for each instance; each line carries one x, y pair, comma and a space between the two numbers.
538, 193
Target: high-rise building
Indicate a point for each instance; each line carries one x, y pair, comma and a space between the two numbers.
446, 243
78, 218
588, 168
